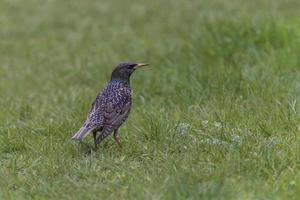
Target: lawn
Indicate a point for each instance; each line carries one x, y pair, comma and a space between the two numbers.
216, 116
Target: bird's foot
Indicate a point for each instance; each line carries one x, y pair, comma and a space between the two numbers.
117, 139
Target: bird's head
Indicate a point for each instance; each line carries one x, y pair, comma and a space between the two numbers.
124, 70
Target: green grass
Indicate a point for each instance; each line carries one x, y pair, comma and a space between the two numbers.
216, 116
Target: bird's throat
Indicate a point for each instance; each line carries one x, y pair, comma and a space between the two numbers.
121, 76
125, 80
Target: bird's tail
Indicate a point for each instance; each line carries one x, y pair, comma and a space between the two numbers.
83, 131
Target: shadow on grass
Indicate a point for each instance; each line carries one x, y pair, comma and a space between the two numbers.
86, 148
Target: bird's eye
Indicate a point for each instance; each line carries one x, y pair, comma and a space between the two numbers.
131, 66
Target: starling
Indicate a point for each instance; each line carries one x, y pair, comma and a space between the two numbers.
111, 107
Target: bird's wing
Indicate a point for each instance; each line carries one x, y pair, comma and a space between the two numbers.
116, 110
114, 116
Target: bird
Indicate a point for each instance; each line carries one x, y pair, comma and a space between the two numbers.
111, 107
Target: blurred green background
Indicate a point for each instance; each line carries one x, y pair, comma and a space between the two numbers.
216, 116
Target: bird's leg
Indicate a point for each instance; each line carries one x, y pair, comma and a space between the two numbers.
95, 138
117, 138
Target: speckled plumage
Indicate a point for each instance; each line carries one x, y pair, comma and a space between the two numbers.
111, 107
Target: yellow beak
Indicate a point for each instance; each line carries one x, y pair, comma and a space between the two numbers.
141, 65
